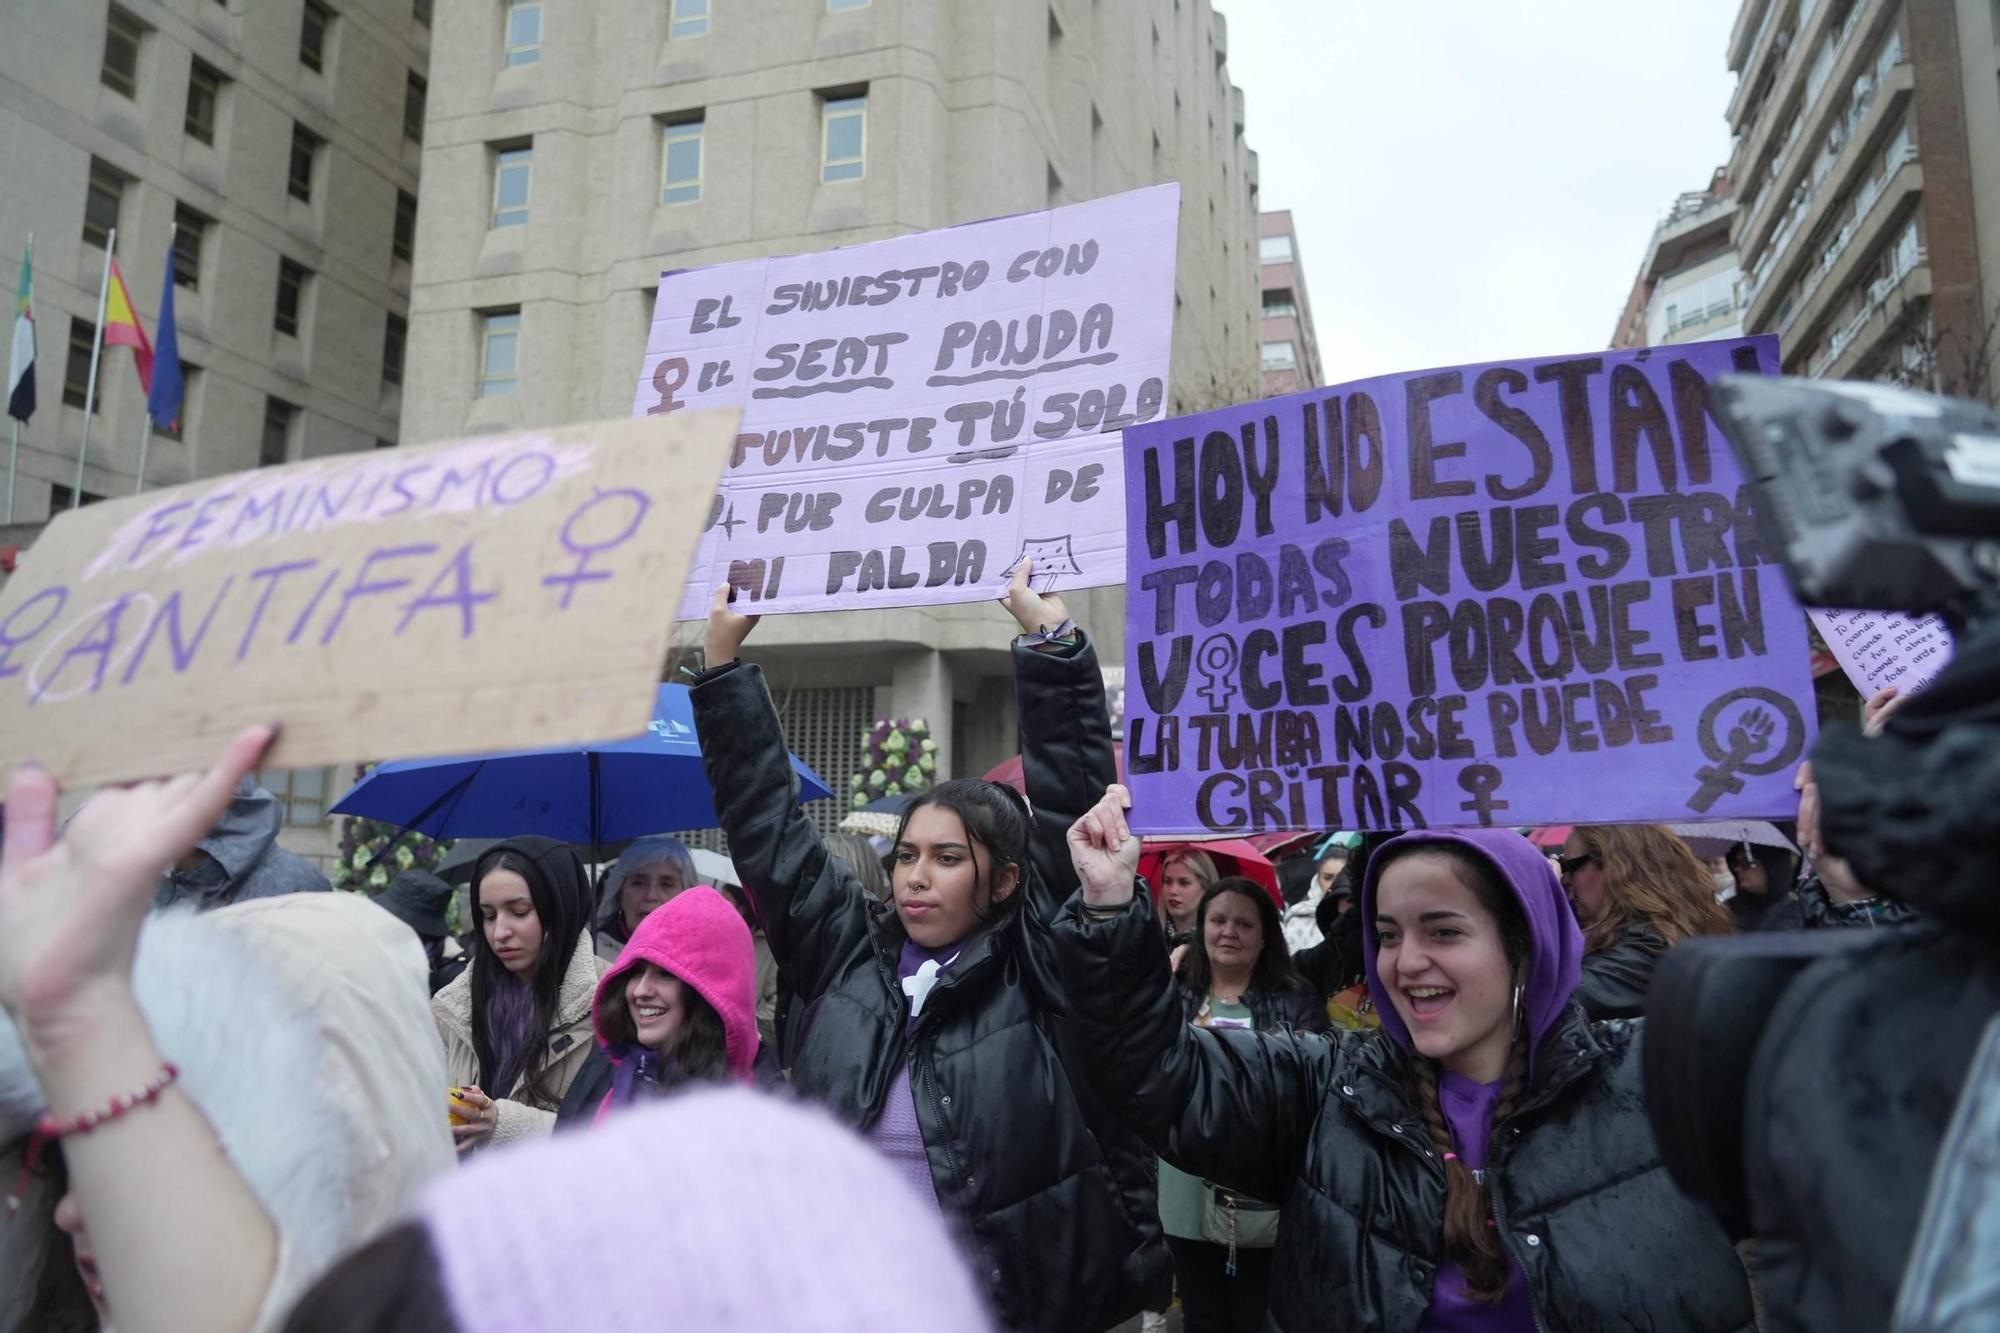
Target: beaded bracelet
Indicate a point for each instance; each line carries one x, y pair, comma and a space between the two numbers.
49, 1129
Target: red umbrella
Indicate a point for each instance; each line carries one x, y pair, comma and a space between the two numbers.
1232, 856
1550, 835
1276, 845
1008, 771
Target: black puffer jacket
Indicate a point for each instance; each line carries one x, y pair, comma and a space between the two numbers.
1322, 1126
1057, 1195
1617, 977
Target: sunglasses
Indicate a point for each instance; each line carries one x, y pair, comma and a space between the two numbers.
1571, 864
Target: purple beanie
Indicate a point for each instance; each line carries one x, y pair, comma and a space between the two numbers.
729, 1211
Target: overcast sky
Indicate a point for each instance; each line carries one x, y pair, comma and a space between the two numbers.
1476, 180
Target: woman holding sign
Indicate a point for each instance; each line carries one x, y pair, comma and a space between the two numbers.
1482, 1161
931, 1022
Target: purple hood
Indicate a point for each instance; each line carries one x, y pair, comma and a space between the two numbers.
1555, 958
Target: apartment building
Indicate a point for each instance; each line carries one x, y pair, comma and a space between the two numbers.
577, 149
1689, 285
1290, 351
1867, 169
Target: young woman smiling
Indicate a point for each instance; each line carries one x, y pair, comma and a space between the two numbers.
931, 1022
1482, 1162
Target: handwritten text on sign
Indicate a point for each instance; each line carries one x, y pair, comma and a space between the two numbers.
467, 596
918, 413
1527, 592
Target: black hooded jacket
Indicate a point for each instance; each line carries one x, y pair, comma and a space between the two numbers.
1323, 1126
1056, 1195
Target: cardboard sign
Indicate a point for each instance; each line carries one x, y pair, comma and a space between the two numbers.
1878, 649
1522, 593
501, 592
918, 413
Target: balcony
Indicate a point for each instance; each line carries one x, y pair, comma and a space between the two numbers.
1880, 319
1815, 118
1834, 269
1778, 259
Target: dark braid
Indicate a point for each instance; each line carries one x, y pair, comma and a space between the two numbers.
1468, 1241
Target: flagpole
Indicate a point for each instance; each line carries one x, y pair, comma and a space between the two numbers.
14, 447
96, 348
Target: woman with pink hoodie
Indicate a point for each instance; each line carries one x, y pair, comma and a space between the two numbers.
678, 1007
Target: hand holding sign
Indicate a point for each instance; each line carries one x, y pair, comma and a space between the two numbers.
1033, 611
1104, 850
727, 629
70, 910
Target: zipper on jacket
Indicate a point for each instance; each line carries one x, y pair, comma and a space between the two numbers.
923, 1071
1507, 1248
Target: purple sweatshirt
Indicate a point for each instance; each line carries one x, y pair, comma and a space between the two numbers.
1555, 963
897, 1135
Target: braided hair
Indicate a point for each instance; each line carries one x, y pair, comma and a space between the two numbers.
1469, 1239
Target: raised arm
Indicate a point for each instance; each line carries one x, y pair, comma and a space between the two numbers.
1234, 1106
1066, 755
179, 1239
811, 906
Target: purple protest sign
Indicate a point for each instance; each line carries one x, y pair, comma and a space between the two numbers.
1521, 593
918, 413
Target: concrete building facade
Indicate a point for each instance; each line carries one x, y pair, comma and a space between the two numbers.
1867, 166
1689, 287
1290, 351
276, 143
576, 150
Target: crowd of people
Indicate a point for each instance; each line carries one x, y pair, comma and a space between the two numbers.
991, 1078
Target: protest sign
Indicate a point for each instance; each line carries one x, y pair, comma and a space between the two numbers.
1878, 649
918, 413
490, 593
1526, 592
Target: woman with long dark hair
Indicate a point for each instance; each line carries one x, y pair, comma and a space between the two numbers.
1638, 890
1237, 973
932, 1022
1483, 1161
516, 1024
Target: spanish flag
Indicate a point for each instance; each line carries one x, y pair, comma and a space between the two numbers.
121, 328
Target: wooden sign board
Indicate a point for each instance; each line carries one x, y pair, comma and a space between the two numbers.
503, 592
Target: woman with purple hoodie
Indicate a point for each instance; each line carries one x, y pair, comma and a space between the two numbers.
1481, 1162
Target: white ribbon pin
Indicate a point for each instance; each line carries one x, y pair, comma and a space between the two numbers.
918, 984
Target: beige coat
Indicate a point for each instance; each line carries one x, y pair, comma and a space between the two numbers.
570, 1043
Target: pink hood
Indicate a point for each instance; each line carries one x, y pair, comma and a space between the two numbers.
700, 938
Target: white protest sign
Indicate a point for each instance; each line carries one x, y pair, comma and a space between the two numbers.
1878, 649
918, 413
483, 594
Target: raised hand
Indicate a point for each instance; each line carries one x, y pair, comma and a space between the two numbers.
1104, 850
727, 629
1032, 610
70, 909
1881, 706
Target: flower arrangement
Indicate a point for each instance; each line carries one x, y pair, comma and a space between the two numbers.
898, 757
363, 840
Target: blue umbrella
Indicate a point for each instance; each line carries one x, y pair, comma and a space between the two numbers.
583, 794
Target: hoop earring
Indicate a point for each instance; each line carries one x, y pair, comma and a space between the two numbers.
1517, 1008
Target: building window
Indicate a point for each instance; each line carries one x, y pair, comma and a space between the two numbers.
1278, 303
313, 28
302, 792
1281, 356
100, 203
403, 243
680, 164
844, 138
76, 369
415, 91
276, 447
688, 18
1274, 249
305, 146
840, 6
499, 347
122, 35
513, 173
291, 295
524, 32
420, 10
394, 335
190, 229
204, 98
381, 443
62, 497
